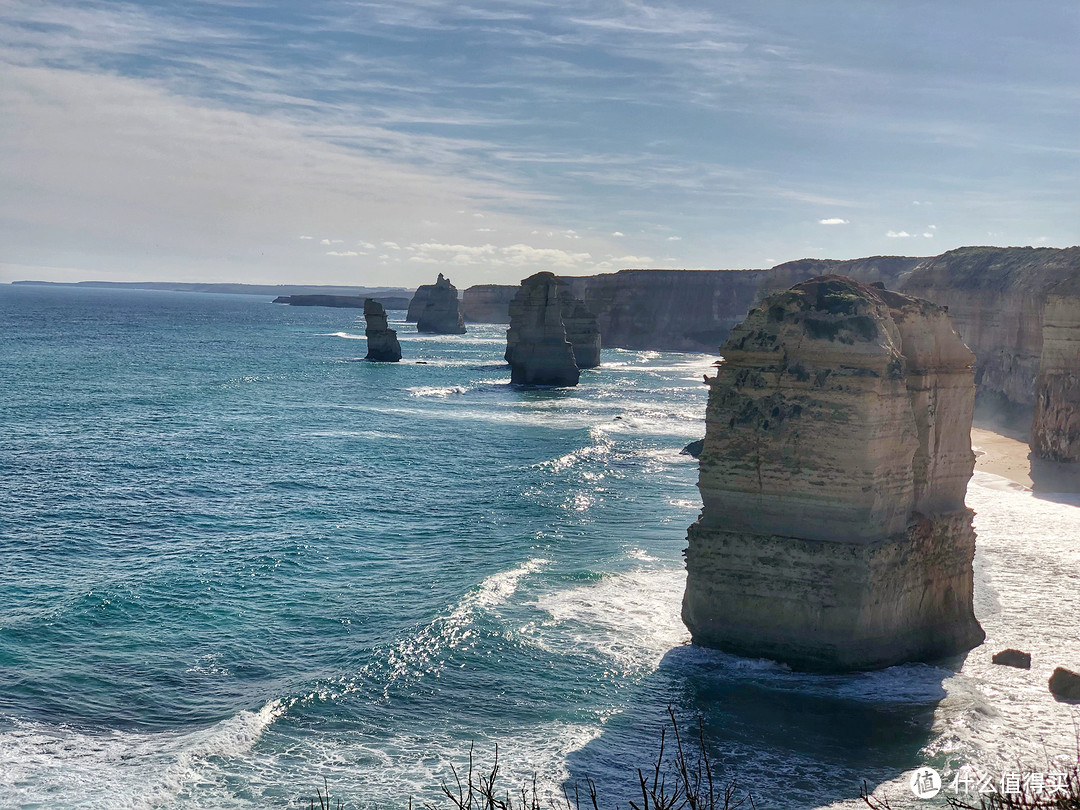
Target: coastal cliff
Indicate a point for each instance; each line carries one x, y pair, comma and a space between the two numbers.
441, 314
996, 299
487, 303
834, 534
1055, 425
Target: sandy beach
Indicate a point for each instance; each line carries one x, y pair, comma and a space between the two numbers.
1008, 456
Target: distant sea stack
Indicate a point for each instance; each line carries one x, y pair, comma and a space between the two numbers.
418, 302
834, 534
441, 314
538, 347
382, 341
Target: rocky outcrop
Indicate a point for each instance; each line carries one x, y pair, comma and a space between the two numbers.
1065, 684
382, 341
834, 534
442, 311
487, 303
1012, 658
537, 347
1055, 425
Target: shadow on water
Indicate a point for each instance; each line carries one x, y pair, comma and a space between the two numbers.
794, 740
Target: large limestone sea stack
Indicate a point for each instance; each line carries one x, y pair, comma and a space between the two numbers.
834, 534
551, 336
442, 311
382, 341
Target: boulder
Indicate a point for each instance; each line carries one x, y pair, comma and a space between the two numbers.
693, 449
834, 534
382, 341
1013, 658
442, 310
1065, 684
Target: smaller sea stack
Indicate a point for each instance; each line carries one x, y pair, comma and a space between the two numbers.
382, 341
441, 314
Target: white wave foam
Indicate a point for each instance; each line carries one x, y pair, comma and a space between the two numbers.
50, 765
346, 335
420, 654
629, 619
437, 391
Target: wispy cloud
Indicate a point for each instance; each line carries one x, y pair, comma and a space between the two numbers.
833, 221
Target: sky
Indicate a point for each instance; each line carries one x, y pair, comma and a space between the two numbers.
380, 142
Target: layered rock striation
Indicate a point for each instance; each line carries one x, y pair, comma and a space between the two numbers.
382, 341
1055, 425
441, 314
552, 334
487, 303
581, 327
834, 534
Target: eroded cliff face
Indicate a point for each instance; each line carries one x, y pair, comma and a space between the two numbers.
1055, 426
537, 347
382, 341
694, 310
582, 329
834, 533
442, 311
997, 299
487, 303
418, 302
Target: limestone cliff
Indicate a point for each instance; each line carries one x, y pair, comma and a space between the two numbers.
382, 341
442, 311
996, 298
1055, 425
694, 310
487, 303
537, 348
582, 330
834, 533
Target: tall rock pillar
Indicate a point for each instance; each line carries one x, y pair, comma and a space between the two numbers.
834, 534
382, 341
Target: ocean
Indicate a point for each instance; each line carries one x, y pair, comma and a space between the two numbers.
237, 561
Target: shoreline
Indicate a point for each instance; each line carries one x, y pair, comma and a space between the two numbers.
1010, 458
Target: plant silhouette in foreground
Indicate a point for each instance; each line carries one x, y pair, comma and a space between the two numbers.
678, 780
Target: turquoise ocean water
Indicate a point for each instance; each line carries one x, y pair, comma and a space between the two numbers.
235, 561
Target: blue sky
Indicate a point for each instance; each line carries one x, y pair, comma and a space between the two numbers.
383, 142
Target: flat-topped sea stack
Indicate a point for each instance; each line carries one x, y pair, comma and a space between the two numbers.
441, 314
834, 534
382, 341
551, 336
